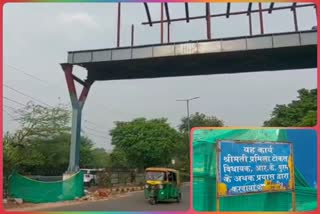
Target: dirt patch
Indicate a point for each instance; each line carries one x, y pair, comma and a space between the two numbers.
13, 205
92, 194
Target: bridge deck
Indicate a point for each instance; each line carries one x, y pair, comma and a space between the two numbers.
267, 52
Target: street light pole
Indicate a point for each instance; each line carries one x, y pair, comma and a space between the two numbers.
188, 118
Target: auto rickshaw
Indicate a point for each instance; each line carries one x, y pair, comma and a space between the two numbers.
162, 184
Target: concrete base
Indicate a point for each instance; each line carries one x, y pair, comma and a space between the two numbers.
67, 175
67, 188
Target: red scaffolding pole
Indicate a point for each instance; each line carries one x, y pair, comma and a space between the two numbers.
161, 30
168, 32
208, 20
118, 24
250, 18
261, 18
294, 11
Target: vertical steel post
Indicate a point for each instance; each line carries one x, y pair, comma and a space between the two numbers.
168, 24
132, 35
74, 158
217, 177
77, 105
161, 30
208, 21
118, 24
261, 18
250, 18
294, 11
292, 176
187, 11
250, 24
188, 118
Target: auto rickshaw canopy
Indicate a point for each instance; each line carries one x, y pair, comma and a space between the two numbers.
164, 169
161, 169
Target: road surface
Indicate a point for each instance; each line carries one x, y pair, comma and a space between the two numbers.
133, 202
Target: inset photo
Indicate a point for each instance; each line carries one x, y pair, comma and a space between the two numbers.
254, 169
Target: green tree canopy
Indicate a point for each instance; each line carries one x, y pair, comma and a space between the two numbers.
118, 159
145, 142
300, 112
199, 119
196, 120
41, 122
41, 145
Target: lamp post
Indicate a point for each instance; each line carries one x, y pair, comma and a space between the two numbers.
188, 115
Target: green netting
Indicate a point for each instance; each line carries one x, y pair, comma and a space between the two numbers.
40, 192
204, 176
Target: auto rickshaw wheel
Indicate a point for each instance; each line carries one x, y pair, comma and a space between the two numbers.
92, 183
179, 198
152, 201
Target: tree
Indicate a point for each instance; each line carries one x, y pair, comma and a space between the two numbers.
300, 112
37, 145
41, 146
196, 120
42, 122
145, 142
118, 159
97, 158
199, 119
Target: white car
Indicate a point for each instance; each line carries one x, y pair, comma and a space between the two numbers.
90, 177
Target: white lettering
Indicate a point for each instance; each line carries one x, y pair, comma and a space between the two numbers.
266, 177
261, 150
247, 168
227, 178
258, 158
226, 168
266, 158
283, 168
228, 159
279, 158
251, 177
265, 149
270, 149
271, 167
244, 178
244, 189
249, 149
255, 158
238, 178
261, 168
283, 176
274, 158
244, 158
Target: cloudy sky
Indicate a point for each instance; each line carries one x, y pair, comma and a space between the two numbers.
37, 37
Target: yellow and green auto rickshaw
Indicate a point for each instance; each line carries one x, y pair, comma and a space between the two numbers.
162, 184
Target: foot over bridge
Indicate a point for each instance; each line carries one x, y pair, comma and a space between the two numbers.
271, 52
268, 52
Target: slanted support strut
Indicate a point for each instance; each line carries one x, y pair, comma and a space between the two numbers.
77, 105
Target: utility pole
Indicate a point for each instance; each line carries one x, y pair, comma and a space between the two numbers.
188, 114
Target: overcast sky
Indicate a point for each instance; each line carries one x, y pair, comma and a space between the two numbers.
37, 37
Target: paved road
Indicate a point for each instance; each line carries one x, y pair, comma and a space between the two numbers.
133, 202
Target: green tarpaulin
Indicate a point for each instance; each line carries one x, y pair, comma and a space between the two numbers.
204, 175
41, 192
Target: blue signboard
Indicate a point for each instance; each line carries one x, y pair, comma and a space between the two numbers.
253, 167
